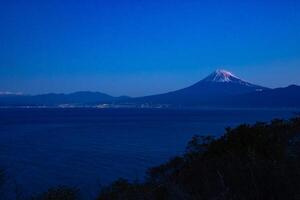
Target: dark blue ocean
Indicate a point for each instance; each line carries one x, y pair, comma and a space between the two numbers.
88, 148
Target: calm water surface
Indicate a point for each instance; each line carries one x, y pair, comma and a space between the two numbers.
88, 148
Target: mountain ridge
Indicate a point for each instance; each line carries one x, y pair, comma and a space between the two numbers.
220, 89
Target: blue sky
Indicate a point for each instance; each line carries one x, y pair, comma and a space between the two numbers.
139, 47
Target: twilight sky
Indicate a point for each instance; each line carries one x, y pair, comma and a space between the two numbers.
140, 47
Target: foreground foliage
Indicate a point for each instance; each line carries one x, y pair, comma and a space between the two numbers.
59, 193
250, 162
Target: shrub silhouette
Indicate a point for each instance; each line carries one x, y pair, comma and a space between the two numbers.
249, 162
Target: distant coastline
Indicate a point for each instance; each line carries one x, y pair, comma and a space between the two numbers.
137, 107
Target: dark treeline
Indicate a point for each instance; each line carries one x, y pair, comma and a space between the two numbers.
249, 162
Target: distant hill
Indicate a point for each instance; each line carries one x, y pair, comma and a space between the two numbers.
279, 97
52, 99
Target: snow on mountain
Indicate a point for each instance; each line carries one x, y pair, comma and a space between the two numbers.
224, 76
221, 75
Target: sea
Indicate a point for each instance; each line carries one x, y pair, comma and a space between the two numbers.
88, 148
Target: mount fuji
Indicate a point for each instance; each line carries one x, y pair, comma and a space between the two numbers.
219, 85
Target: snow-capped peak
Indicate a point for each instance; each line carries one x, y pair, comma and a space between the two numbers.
221, 75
